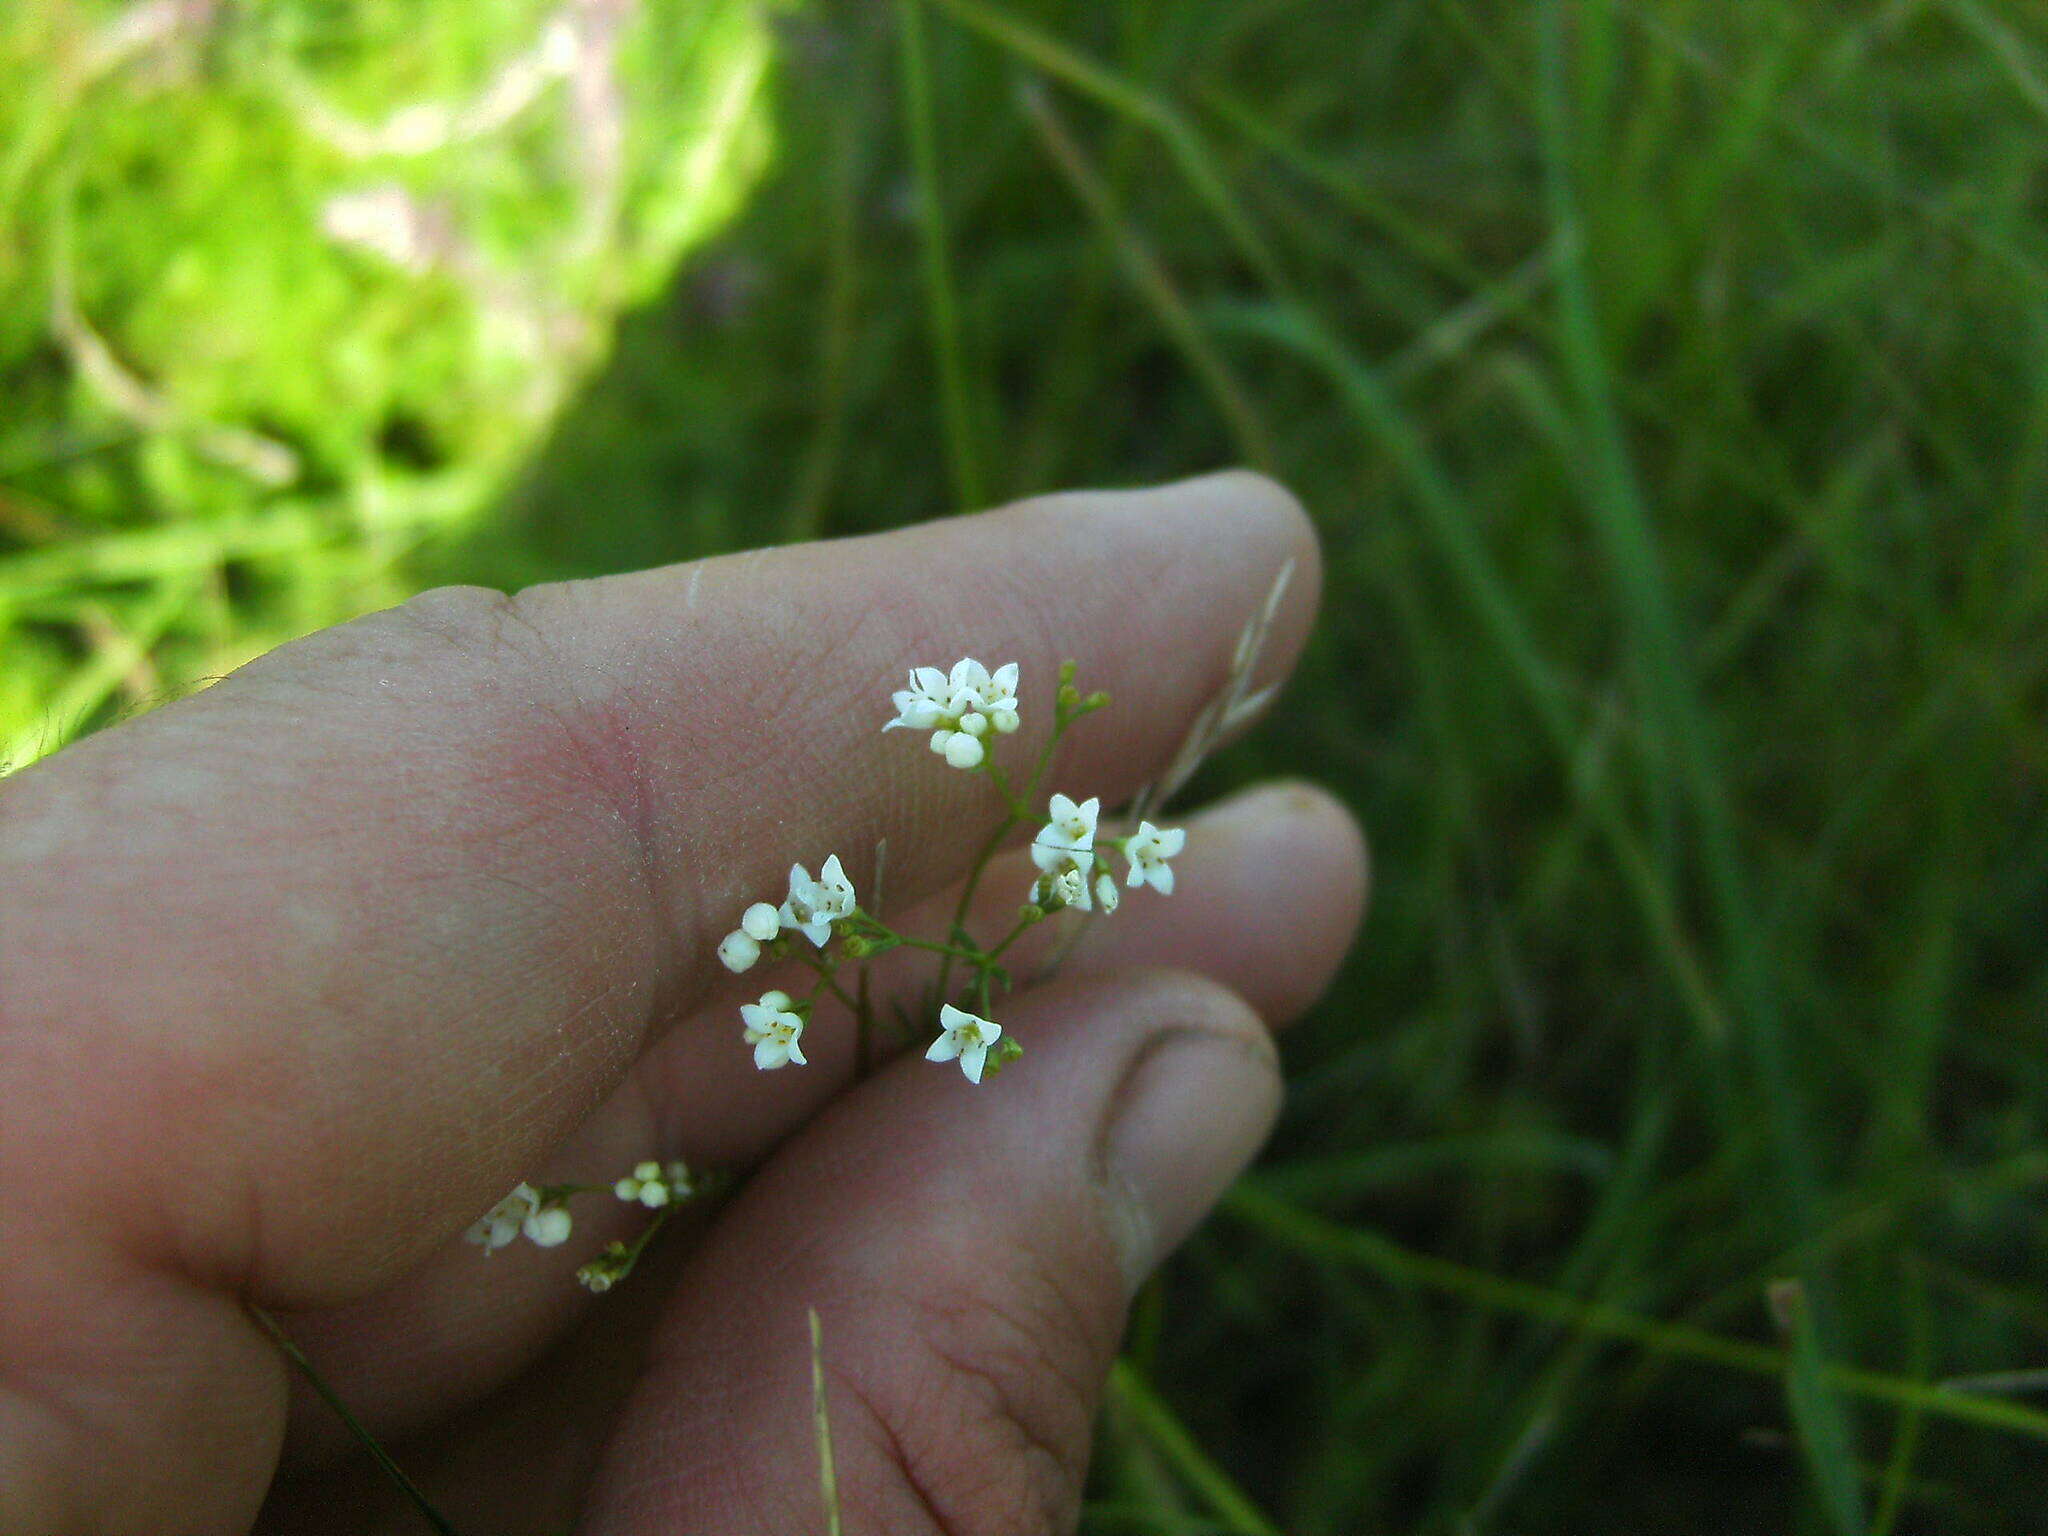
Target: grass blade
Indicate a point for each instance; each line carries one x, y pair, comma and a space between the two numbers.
1190, 153
1355, 1248
1134, 1397
1152, 281
942, 311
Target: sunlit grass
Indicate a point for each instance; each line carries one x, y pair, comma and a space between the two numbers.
292, 290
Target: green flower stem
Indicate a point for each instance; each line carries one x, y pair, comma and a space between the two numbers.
554, 1194
639, 1244
950, 951
1020, 808
863, 1031
1068, 706
1011, 937
987, 852
827, 981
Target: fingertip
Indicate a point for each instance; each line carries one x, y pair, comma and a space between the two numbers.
1193, 1105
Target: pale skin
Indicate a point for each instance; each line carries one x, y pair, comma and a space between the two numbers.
299, 975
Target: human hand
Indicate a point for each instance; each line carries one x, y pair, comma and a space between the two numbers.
297, 976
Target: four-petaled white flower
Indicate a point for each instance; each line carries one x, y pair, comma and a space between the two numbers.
501, 1223
812, 905
923, 705
1148, 849
999, 698
959, 708
521, 1211
1067, 841
653, 1185
967, 1037
775, 1032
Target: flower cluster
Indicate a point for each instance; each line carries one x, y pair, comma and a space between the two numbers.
1064, 852
542, 1214
959, 708
539, 1214
967, 710
810, 908
653, 1185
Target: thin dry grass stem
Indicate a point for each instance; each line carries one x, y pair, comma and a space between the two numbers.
1233, 707
821, 1417
262, 460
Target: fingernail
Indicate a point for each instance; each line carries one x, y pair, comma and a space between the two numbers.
1194, 1107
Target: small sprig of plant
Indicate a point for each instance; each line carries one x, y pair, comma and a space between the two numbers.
821, 925
967, 711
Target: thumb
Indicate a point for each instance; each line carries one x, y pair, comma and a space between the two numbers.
970, 1252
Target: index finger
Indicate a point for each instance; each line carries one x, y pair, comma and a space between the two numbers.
328, 949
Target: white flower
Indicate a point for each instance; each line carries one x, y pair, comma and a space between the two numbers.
999, 698
967, 1037
813, 904
501, 1223
774, 1031
923, 704
1067, 888
761, 922
653, 1185
969, 702
1068, 839
1106, 893
548, 1227
969, 684
1148, 849
738, 950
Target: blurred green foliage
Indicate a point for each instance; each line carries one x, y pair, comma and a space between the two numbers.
306, 283
1670, 381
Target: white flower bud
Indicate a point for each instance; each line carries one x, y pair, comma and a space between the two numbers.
1004, 720
1106, 892
975, 724
738, 951
761, 922
942, 740
549, 1228
963, 751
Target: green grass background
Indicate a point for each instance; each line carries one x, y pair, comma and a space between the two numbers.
1669, 379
